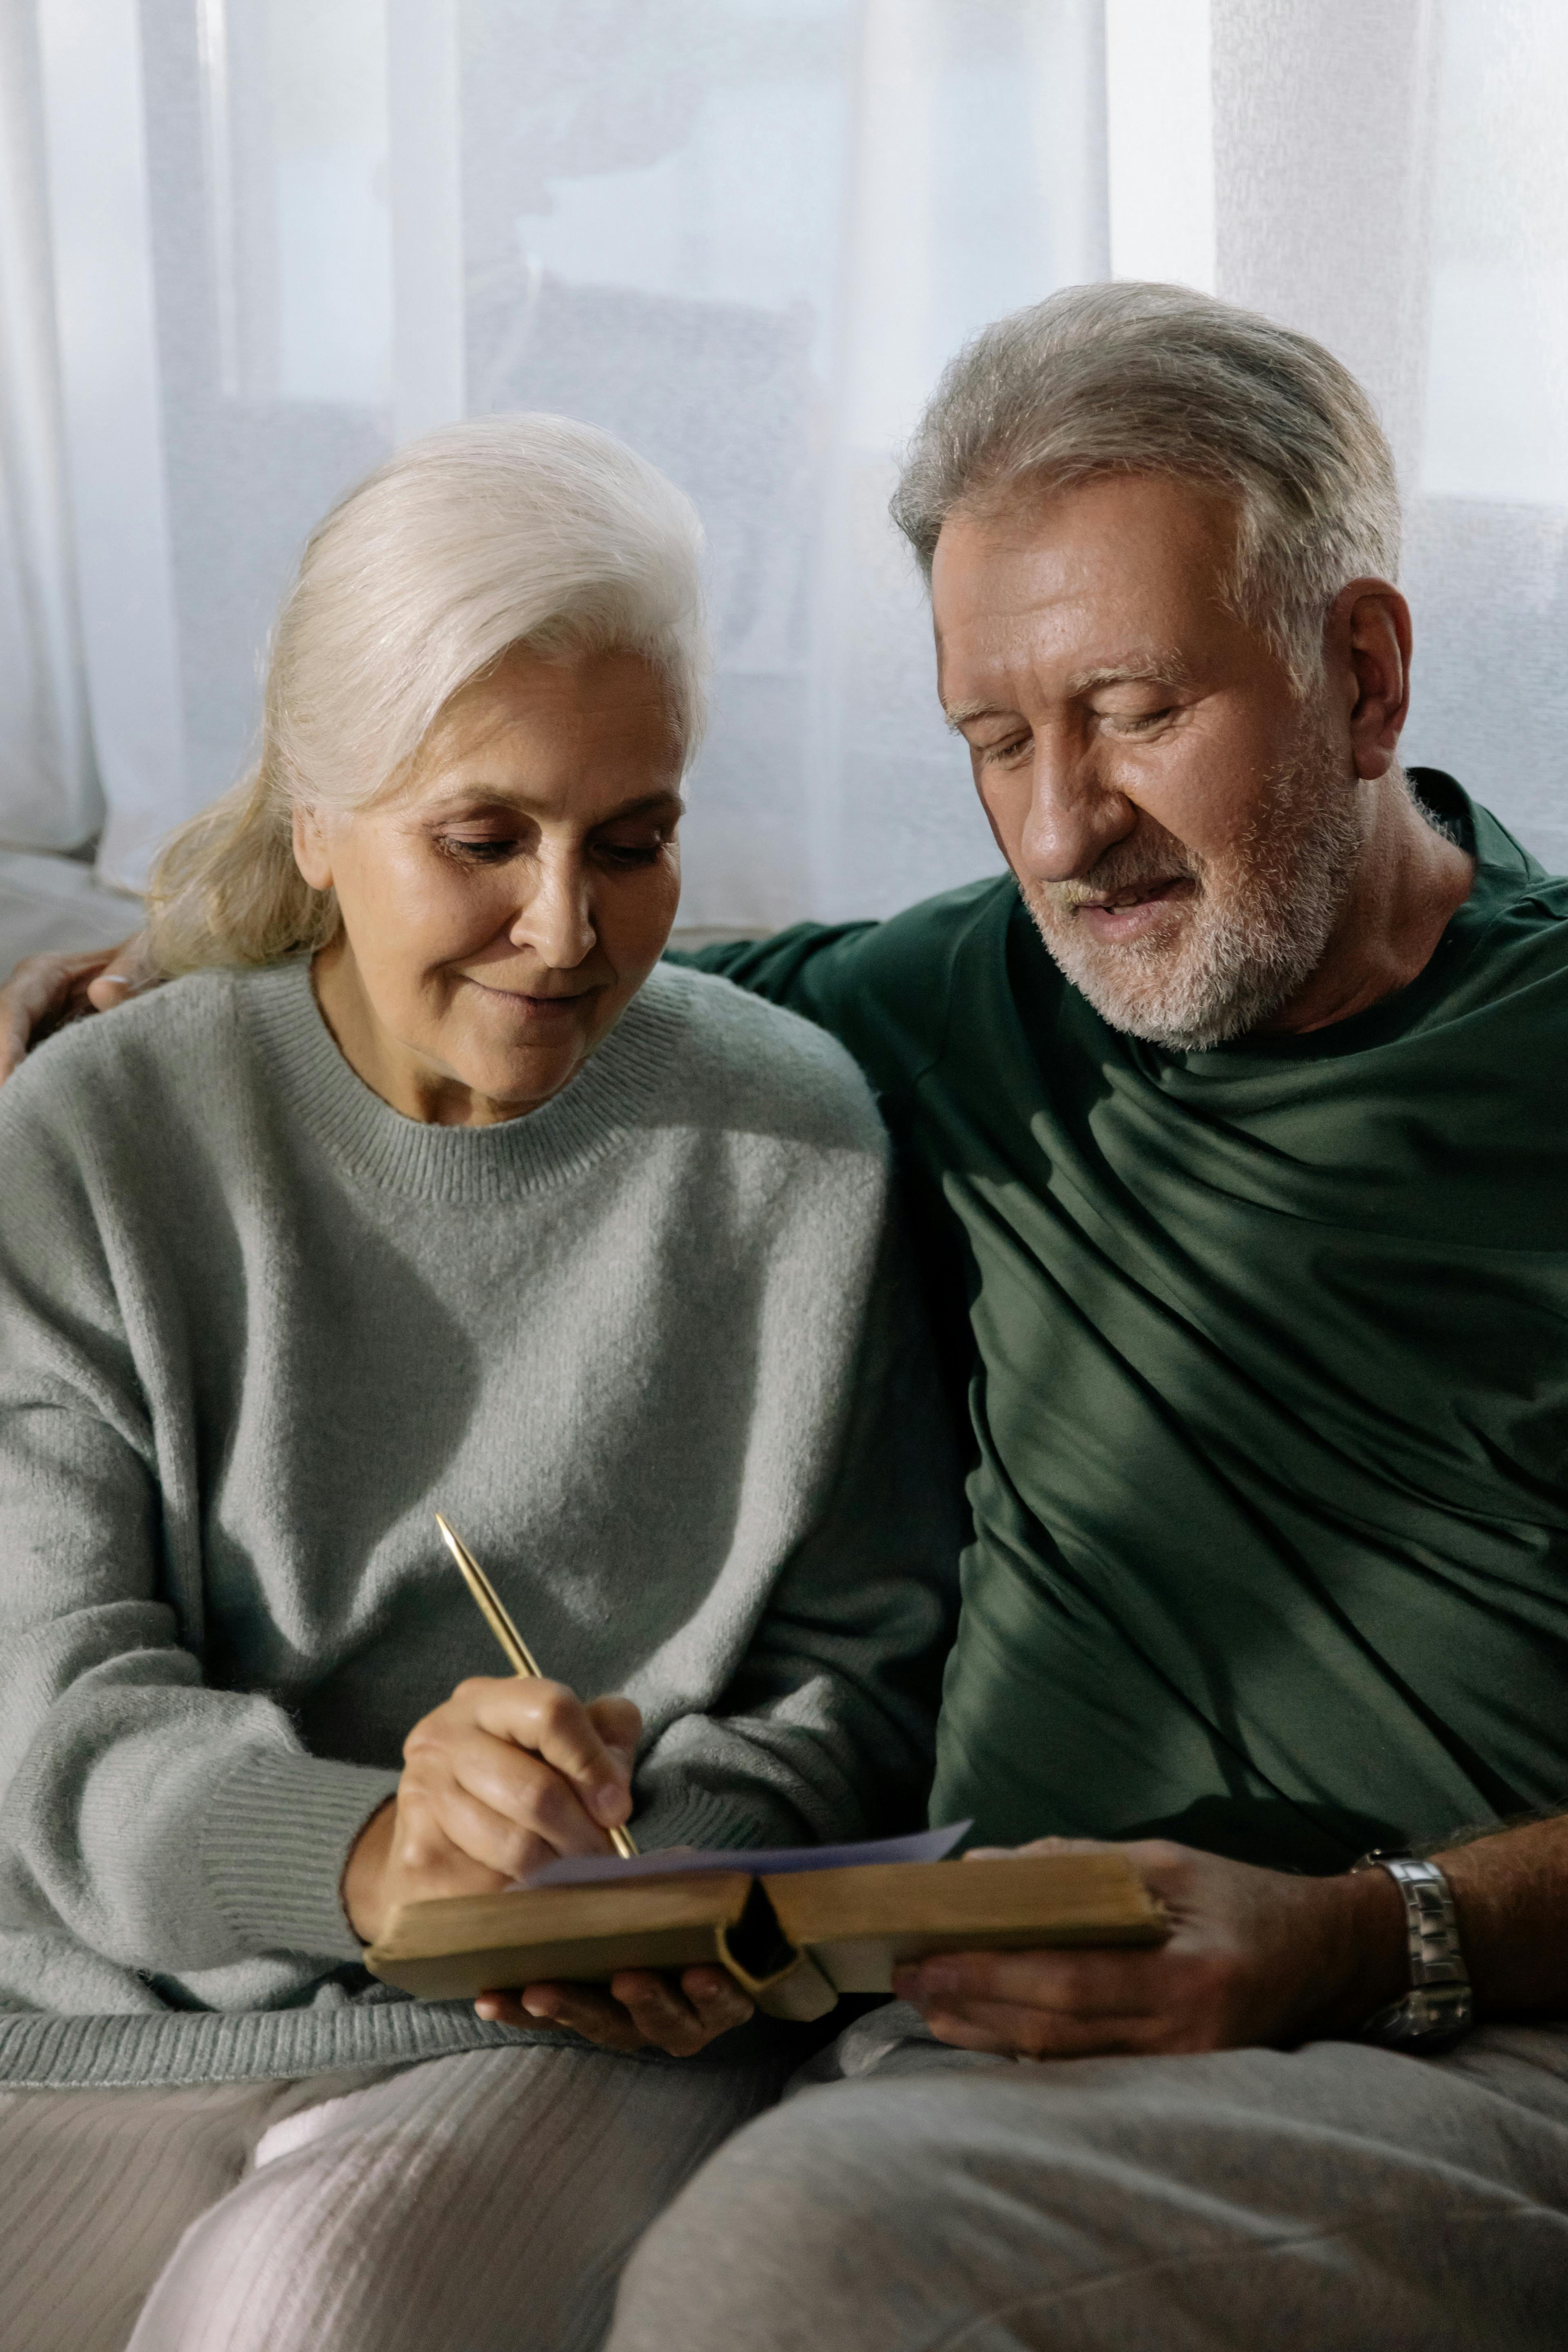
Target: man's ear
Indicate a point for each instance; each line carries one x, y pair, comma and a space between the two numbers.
1368, 640
310, 853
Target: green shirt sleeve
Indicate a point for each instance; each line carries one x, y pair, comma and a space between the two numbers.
886, 991
811, 969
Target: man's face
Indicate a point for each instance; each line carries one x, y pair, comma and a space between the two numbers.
1184, 825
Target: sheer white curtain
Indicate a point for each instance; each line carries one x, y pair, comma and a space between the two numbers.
48, 791
1393, 179
744, 234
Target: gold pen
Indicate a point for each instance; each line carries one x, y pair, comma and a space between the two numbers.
520, 1657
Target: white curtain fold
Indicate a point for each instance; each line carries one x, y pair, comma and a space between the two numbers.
48, 790
744, 234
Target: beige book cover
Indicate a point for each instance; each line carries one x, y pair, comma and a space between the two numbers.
793, 1939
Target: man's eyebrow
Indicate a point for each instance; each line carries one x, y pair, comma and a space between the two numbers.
962, 714
1138, 670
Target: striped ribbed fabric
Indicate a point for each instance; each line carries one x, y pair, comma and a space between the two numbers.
487, 2200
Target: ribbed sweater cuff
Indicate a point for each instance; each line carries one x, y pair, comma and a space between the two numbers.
273, 1841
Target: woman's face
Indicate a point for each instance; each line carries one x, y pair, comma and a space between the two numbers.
502, 909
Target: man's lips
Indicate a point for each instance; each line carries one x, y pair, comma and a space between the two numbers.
1127, 913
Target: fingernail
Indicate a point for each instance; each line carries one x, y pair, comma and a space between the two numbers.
611, 1803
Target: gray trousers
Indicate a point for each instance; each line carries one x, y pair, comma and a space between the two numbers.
482, 2203
1337, 2199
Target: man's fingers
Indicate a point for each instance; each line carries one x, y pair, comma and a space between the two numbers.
1036, 1845
15, 1030
1043, 2033
1095, 1983
37, 996
126, 972
110, 989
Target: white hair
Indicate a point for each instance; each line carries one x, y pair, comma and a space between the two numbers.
1133, 379
525, 532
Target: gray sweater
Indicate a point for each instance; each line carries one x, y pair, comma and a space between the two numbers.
643, 1349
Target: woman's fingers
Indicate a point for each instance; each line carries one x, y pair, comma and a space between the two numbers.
716, 1998
506, 1809
552, 1723
581, 2008
619, 1725
511, 1772
641, 2010
500, 1779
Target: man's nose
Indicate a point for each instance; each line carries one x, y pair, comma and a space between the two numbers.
1074, 815
557, 920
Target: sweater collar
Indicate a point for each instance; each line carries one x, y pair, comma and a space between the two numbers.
613, 1093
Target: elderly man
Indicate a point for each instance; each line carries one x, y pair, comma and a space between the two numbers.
1236, 1151
1235, 1124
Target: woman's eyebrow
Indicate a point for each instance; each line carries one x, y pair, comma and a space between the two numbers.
507, 796
645, 806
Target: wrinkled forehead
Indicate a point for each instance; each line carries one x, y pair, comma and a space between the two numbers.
1121, 575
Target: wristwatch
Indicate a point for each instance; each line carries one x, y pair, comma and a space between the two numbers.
1438, 2007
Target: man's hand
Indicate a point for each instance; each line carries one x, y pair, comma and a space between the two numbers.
642, 2009
1255, 1956
504, 1776
45, 992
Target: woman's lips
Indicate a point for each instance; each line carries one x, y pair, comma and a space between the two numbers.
550, 1012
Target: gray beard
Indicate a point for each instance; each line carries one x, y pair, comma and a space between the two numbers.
1252, 934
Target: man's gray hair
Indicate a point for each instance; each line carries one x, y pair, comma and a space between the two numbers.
1131, 378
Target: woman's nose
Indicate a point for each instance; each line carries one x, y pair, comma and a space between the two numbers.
556, 920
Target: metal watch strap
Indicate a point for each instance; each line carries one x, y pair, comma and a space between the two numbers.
1438, 2007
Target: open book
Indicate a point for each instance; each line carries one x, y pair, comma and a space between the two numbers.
793, 1938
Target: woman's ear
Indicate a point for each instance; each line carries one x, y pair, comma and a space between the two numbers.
310, 853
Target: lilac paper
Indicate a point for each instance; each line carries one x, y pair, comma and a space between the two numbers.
685, 1861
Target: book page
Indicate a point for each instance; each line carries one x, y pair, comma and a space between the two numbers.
684, 1861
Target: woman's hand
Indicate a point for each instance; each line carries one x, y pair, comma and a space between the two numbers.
497, 1780
500, 1779
641, 2011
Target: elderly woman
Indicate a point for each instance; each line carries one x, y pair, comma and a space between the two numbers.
426, 1187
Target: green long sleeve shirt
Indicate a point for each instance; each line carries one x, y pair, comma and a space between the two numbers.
1265, 1351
